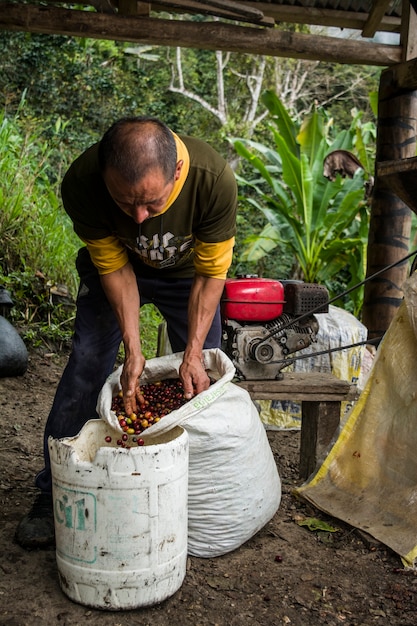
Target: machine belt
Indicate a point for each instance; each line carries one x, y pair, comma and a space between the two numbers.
289, 360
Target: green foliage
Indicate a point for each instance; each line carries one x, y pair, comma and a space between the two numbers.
35, 233
38, 243
321, 225
150, 318
43, 320
73, 88
314, 523
47, 321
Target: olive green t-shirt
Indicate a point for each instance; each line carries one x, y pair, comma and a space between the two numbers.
205, 209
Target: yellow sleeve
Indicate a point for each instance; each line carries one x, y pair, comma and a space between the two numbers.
108, 254
213, 259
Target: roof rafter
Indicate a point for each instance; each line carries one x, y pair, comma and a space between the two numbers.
209, 35
375, 16
272, 12
324, 17
221, 10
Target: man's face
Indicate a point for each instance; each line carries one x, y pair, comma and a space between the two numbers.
144, 199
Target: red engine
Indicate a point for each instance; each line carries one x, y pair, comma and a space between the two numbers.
264, 320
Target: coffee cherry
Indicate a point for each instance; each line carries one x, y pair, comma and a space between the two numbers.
160, 398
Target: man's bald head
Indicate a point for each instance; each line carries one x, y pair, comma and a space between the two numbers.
133, 146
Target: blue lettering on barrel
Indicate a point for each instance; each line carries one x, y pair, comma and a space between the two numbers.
71, 515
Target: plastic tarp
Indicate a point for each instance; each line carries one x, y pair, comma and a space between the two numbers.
13, 352
369, 477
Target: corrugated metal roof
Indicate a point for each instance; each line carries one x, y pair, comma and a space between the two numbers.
360, 6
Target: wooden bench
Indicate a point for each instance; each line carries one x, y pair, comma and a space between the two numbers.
320, 395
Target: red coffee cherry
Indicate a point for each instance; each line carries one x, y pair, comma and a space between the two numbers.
160, 398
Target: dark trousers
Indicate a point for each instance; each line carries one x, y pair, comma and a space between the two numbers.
96, 344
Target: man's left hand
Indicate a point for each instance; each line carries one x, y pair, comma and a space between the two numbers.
193, 375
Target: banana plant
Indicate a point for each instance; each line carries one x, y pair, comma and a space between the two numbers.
323, 225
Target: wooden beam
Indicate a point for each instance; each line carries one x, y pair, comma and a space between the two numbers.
405, 75
404, 78
128, 7
390, 221
408, 32
375, 17
206, 36
401, 176
276, 12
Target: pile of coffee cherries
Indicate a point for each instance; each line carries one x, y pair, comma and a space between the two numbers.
160, 398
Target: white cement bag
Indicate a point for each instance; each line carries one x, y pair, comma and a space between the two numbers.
234, 485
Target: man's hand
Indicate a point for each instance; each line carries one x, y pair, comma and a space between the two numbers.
129, 379
193, 375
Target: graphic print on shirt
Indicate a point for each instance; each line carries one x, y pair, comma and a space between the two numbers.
161, 251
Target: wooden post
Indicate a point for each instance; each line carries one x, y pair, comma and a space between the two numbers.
319, 424
128, 7
389, 231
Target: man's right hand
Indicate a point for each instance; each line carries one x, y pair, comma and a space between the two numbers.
129, 379
122, 292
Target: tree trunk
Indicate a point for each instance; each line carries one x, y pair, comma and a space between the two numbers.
389, 231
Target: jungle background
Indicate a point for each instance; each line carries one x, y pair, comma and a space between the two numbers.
59, 94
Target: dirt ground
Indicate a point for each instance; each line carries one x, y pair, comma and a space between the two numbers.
285, 574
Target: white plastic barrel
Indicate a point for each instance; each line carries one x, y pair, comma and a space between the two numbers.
120, 517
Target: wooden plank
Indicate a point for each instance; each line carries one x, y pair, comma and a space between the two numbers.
300, 386
375, 17
206, 36
315, 381
385, 168
401, 176
300, 396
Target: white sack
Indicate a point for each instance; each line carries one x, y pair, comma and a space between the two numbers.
234, 485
